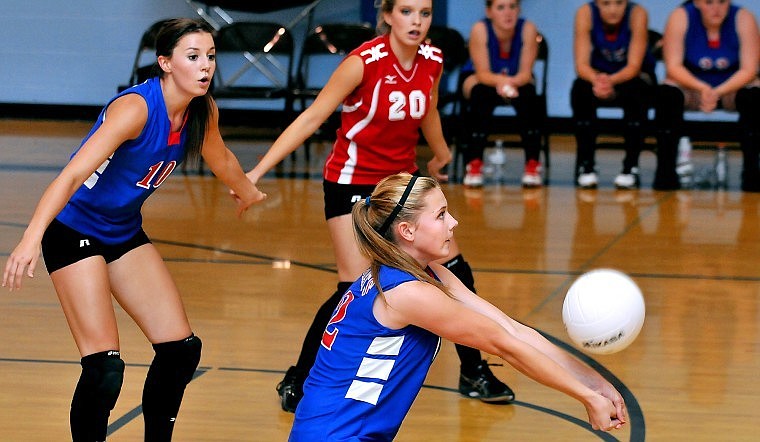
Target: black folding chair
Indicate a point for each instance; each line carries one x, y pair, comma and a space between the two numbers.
142, 69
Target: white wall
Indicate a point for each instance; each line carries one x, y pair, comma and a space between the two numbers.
79, 51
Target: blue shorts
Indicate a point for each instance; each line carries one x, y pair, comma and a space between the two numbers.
62, 245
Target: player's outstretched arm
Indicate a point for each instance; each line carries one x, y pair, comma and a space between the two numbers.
126, 117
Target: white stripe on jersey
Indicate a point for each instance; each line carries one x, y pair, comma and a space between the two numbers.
348, 168
390, 346
375, 368
368, 392
401, 73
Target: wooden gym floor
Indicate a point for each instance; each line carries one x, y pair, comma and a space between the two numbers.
251, 287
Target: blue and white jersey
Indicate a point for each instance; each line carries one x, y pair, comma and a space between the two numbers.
609, 53
502, 62
711, 62
366, 375
107, 206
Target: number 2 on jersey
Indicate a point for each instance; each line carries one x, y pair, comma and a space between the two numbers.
331, 331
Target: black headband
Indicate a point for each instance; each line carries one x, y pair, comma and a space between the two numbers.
399, 206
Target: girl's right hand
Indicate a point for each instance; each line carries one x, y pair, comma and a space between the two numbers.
243, 205
602, 414
24, 258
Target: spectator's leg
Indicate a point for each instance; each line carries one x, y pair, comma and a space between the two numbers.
528, 108
747, 100
669, 107
584, 117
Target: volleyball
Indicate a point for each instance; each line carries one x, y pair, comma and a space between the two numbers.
603, 311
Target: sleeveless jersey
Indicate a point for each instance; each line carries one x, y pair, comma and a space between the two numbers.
107, 206
381, 117
366, 376
713, 65
508, 64
609, 52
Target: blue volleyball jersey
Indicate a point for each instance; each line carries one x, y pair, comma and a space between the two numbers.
713, 65
107, 206
501, 63
609, 53
366, 376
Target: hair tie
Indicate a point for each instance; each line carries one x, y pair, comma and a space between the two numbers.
366, 201
399, 206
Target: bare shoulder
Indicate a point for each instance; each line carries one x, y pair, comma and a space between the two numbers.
639, 12
129, 113
478, 30
413, 297
529, 29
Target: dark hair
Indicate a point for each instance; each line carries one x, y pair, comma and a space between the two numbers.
370, 216
199, 109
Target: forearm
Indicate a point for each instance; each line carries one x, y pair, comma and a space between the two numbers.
293, 137
627, 73
737, 81
51, 203
586, 72
229, 171
541, 367
685, 79
433, 133
582, 372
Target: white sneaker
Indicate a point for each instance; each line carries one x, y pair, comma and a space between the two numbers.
588, 180
628, 181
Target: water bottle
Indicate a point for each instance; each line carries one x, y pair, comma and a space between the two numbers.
498, 159
684, 167
721, 167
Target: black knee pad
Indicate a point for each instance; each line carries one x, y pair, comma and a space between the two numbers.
461, 269
181, 358
95, 395
102, 377
172, 369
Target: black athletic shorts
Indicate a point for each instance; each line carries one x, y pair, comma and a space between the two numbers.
62, 245
340, 198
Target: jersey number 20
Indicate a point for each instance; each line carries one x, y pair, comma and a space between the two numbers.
417, 105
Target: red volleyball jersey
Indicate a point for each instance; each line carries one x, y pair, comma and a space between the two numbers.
381, 117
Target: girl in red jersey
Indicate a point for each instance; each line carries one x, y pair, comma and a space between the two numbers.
388, 87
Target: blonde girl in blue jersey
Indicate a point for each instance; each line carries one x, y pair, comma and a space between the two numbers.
377, 348
88, 226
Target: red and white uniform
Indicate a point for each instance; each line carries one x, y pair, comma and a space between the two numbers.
381, 117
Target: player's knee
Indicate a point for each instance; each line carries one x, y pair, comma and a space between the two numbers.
181, 356
102, 377
746, 101
461, 269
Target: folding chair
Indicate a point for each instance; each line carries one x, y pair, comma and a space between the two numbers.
142, 69
322, 51
455, 54
264, 70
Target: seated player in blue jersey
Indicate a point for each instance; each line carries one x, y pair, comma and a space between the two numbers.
89, 228
384, 335
614, 69
711, 50
503, 48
